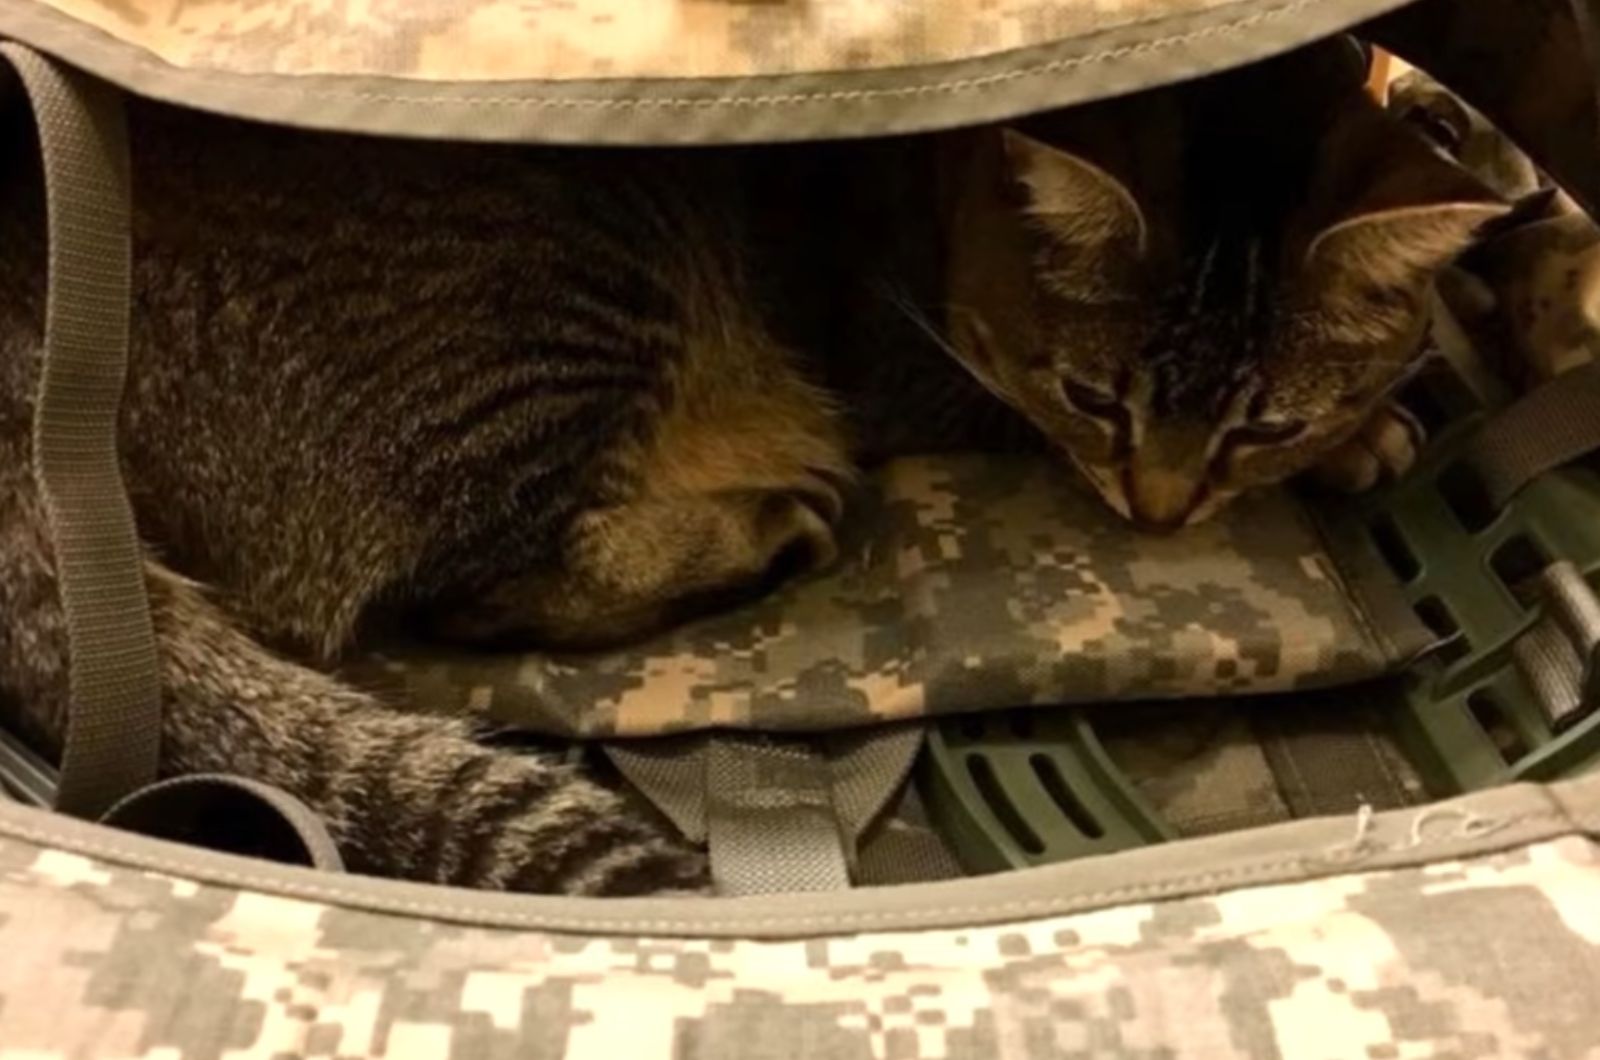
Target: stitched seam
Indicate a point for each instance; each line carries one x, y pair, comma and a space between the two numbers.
1286, 752
957, 85
1396, 782
836, 924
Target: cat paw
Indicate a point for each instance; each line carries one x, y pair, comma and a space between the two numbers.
796, 529
824, 493
1384, 448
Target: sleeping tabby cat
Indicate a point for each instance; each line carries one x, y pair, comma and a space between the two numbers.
569, 396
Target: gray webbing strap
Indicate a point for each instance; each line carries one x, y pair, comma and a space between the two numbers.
1551, 425
112, 742
771, 825
235, 815
902, 846
1559, 656
1330, 762
780, 814
670, 772
899, 853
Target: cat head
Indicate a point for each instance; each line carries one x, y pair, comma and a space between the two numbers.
1210, 286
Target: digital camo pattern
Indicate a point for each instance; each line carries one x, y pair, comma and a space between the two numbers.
1542, 304
1527, 64
496, 40
1463, 133
1200, 766
984, 582
1227, 765
1495, 957
1532, 294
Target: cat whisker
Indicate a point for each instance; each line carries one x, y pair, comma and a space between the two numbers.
903, 302
918, 318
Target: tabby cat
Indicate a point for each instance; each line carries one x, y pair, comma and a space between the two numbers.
566, 397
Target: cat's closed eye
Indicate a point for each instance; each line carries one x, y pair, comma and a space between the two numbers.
1091, 400
1266, 432
1263, 427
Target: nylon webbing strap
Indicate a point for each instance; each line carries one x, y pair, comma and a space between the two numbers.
232, 814
903, 846
1328, 763
779, 814
1552, 425
770, 818
1558, 656
114, 721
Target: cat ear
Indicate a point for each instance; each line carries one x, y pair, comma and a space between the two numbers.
1076, 199
1399, 211
1397, 246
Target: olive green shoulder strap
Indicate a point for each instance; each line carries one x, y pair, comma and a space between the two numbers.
114, 725
112, 744
1552, 425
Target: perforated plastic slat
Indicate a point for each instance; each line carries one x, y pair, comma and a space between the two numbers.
1475, 717
1028, 788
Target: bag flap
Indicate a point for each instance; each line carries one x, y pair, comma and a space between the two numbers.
659, 71
1419, 929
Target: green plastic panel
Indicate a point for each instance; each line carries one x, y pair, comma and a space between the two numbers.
1029, 787
1469, 719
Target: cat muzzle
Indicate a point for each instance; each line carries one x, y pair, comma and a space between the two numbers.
1161, 501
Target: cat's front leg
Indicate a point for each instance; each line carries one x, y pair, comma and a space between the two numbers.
1384, 448
412, 796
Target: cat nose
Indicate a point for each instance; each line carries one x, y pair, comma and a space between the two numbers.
1164, 524
1161, 500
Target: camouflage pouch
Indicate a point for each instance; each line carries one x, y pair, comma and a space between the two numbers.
967, 583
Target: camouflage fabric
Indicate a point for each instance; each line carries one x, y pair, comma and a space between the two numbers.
1466, 931
1199, 766
658, 71
1462, 132
968, 583
447, 40
1542, 304
1530, 65
1531, 294
1227, 765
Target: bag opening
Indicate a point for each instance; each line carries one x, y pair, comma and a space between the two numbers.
1483, 557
